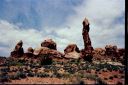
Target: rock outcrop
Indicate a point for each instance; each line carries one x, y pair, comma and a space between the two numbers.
73, 55
49, 43
30, 50
111, 50
87, 52
18, 51
29, 53
71, 48
114, 53
72, 51
45, 50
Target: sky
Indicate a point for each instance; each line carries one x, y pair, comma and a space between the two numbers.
33, 21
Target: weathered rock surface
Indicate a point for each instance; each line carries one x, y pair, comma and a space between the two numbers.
49, 43
2, 60
18, 51
29, 53
85, 33
72, 51
71, 48
72, 55
30, 50
87, 51
111, 50
45, 50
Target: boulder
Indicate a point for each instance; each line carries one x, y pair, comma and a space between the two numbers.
49, 43
71, 48
45, 50
30, 50
18, 50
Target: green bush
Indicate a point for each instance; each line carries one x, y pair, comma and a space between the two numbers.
13, 77
46, 59
30, 74
21, 74
99, 81
44, 74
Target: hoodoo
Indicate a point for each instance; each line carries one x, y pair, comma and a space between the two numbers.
87, 52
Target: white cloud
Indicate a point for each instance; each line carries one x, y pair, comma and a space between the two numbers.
11, 34
103, 30
101, 15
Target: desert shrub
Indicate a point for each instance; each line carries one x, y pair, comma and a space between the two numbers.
121, 71
119, 83
99, 81
21, 74
88, 58
122, 76
44, 74
13, 77
91, 76
5, 69
66, 75
115, 76
57, 75
45, 59
21, 61
19, 64
30, 74
81, 75
111, 77
12, 63
105, 78
71, 70
81, 83
4, 78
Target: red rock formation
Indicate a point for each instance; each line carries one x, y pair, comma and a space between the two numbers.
87, 42
18, 51
87, 52
29, 53
71, 48
45, 50
30, 50
111, 50
49, 43
72, 51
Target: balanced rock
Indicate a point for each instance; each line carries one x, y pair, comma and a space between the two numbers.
49, 43
18, 51
30, 50
29, 53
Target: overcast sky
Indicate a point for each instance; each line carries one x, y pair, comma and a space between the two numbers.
35, 20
